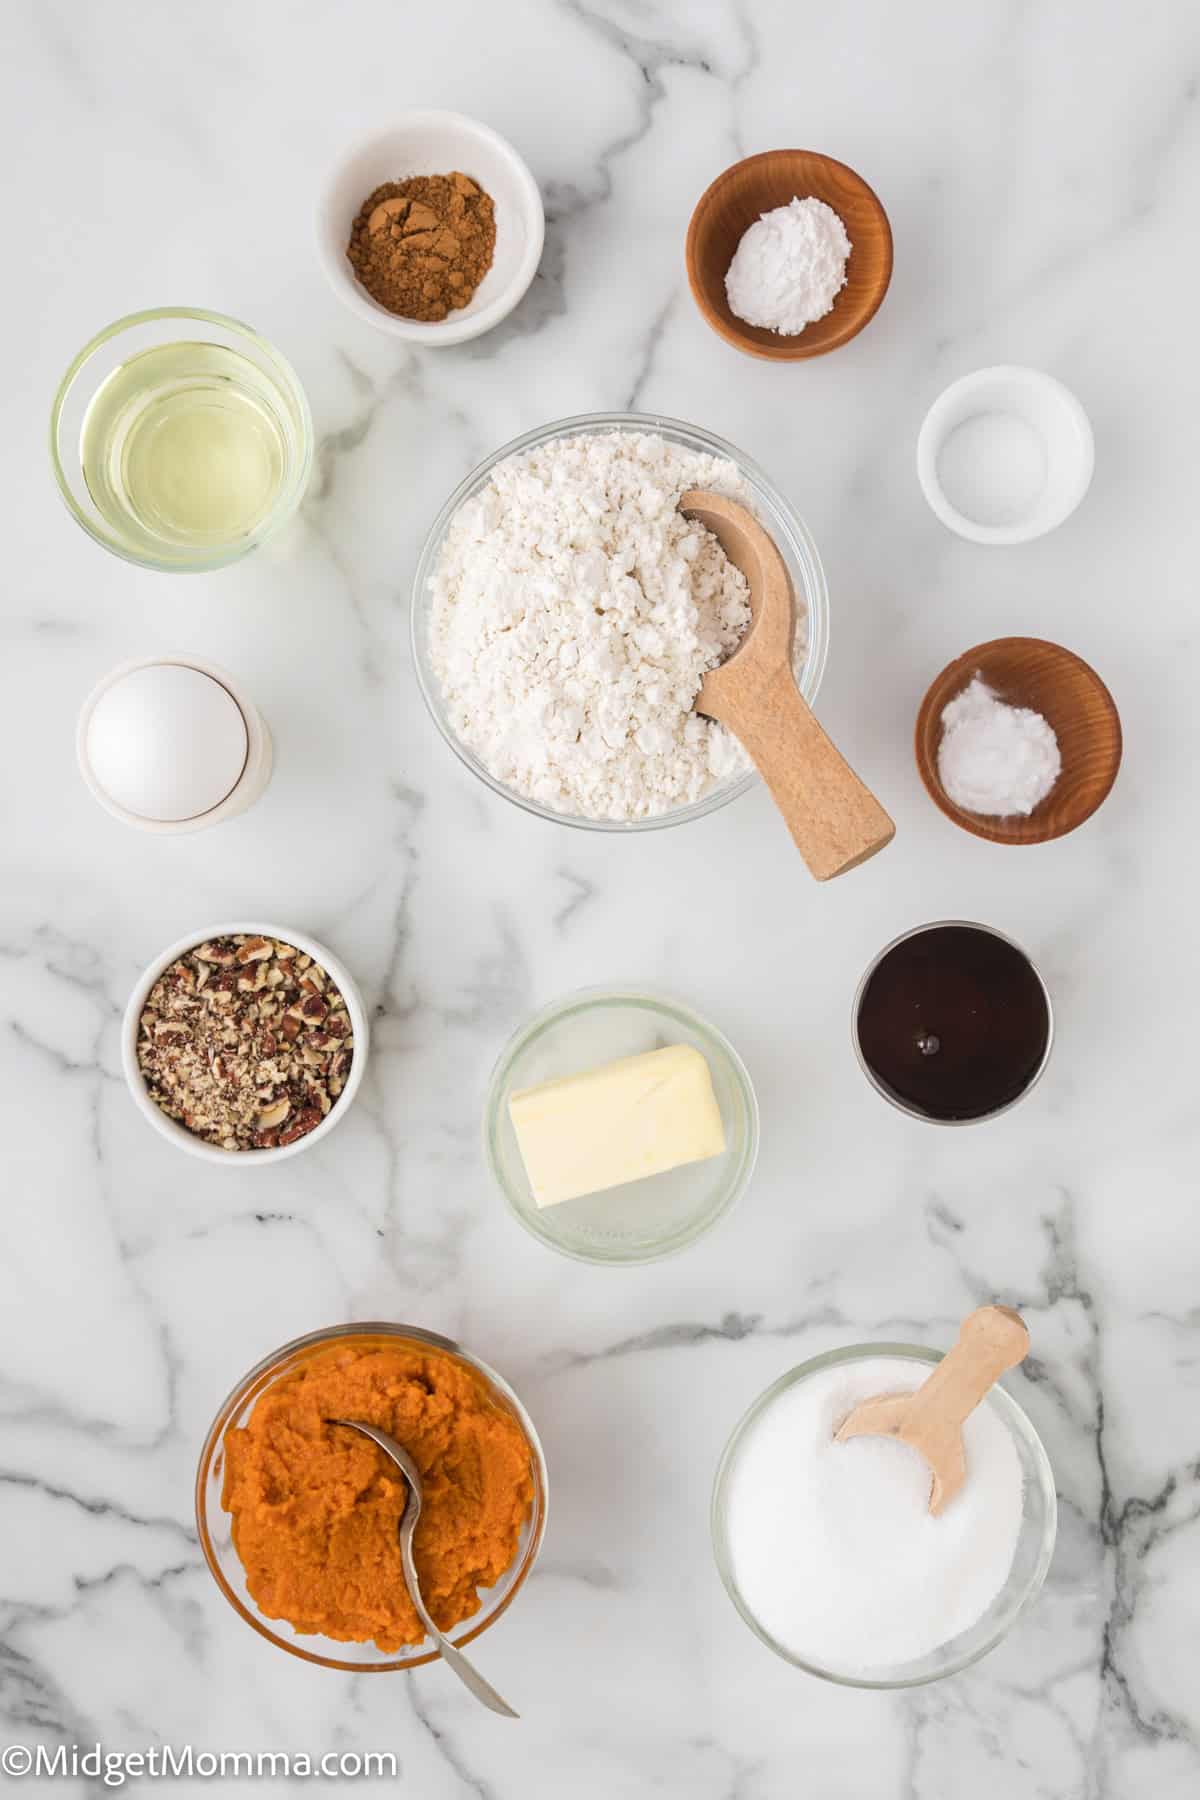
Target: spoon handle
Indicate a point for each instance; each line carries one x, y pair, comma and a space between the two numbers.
990, 1340
466, 1671
834, 818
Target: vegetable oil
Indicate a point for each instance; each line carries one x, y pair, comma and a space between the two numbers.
186, 445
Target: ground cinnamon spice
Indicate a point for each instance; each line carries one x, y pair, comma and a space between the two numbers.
421, 247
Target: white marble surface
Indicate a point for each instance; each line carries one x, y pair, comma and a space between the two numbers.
1041, 166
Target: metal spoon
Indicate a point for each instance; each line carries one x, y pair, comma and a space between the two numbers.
466, 1672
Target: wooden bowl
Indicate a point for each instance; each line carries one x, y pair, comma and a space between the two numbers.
1070, 695
773, 178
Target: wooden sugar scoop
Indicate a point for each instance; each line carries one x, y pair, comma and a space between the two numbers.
991, 1340
835, 820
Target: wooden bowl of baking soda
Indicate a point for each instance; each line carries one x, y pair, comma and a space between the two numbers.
1018, 741
809, 275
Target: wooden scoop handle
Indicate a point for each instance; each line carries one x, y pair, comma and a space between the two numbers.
991, 1339
833, 817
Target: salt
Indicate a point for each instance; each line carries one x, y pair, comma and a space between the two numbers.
992, 468
833, 1548
995, 759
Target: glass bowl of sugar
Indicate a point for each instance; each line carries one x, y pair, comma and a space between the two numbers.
469, 611
829, 1551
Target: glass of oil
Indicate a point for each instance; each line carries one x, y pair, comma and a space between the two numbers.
180, 439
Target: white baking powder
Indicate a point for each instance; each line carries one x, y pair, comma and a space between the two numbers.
789, 267
996, 759
574, 614
834, 1549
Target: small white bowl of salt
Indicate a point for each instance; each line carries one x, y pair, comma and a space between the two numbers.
1005, 455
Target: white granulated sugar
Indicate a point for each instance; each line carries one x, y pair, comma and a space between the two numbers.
789, 267
574, 614
994, 759
834, 1549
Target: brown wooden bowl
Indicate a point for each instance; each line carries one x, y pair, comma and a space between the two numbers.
1070, 695
756, 185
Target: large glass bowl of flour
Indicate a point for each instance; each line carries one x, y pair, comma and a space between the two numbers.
828, 1551
775, 513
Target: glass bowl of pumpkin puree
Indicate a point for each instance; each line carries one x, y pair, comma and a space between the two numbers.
298, 1519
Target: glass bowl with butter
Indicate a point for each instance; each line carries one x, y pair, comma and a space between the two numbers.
620, 1126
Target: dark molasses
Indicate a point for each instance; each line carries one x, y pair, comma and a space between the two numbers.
953, 1022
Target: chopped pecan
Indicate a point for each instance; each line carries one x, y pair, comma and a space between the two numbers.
222, 952
255, 949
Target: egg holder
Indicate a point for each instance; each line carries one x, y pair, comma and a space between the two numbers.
250, 784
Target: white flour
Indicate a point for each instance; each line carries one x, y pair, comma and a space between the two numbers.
789, 267
833, 1545
574, 613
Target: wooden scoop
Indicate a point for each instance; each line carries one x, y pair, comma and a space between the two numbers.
836, 821
991, 1340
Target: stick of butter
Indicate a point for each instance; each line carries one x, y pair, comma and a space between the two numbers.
639, 1116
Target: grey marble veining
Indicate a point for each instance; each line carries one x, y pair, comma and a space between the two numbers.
1041, 166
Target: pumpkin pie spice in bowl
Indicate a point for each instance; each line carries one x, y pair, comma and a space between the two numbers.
303, 1541
398, 161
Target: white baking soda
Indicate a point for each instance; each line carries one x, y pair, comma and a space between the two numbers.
789, 267
997, 760
833, 1547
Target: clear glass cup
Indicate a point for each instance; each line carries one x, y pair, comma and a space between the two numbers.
785, 525
214, 1524
1035, 1543
641, 1221
277, 393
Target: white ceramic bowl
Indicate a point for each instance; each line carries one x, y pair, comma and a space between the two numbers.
187, 1140
1025, 465
434, 143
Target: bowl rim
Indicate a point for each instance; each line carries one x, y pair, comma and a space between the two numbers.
178, 1134
801, 544
579, 1000
932, 436
787, 349
285, 506
258, 1378
894, 1099
1018, 1422
981, 825
440, 332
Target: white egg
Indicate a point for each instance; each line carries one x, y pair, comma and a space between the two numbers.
167, 742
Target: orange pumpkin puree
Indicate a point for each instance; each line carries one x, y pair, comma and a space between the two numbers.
316, 1507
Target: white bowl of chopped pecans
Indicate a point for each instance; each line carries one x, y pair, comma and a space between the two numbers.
244, 1043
